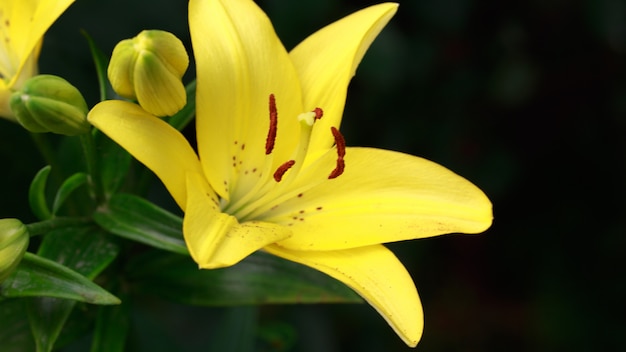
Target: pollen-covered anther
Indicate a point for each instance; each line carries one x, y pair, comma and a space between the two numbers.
278, 174
340, 144
271, 133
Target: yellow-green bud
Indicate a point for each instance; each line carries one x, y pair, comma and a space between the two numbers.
49, 103
149, 68
13, 242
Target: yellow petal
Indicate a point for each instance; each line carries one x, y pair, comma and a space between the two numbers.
327, 60
5, 98
151, 141
240, 62
383, 196
25, 22
378, 276
216, 239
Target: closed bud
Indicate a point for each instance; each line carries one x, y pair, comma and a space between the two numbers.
49, 103
13, 242
149, 68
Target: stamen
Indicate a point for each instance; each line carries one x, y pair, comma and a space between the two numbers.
271, 134
340, 143
278, 175
318, 113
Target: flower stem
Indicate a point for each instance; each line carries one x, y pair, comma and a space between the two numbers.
89, 150
45, 149
43, 227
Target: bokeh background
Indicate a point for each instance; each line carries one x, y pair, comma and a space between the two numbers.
527, 99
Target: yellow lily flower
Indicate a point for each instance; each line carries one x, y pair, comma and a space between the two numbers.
22, 26
273, 171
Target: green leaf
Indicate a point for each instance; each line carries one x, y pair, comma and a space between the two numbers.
182, 118
101, 62
38, 276
113, 161
37, 194
15, 335
259, 279
66, 189
139, 220
87, 250
112, 327
44, 315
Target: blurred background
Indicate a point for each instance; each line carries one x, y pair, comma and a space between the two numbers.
527, 99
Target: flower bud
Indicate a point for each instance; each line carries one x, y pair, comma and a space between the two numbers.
49, 103
13, 242
148, 68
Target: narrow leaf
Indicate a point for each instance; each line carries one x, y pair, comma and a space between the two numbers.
139, 220
38, 276
112, 327
85, 249
44, 313
66, 189
259, 279
37, 194
181, 119
101, 62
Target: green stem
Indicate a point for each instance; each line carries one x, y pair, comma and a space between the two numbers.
89, 150
43, 227
46, 150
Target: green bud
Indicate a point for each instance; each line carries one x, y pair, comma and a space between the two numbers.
49, 103
149, 68
13, 243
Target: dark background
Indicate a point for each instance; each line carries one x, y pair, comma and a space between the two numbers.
527, 99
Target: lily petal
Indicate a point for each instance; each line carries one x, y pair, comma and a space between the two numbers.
377, 275
327, 60
25, 23
383, 196
150, 140
240, 62
216, 239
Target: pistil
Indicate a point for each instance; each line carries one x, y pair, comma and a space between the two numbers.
271, 191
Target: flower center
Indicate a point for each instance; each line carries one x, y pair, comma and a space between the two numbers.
269, 192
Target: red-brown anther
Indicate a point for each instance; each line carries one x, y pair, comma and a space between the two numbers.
341, 165
340, 143
318, 113
271, 134
278, 174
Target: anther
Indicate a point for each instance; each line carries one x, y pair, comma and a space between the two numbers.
318, 113
278, 174
271, 134
340, 143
